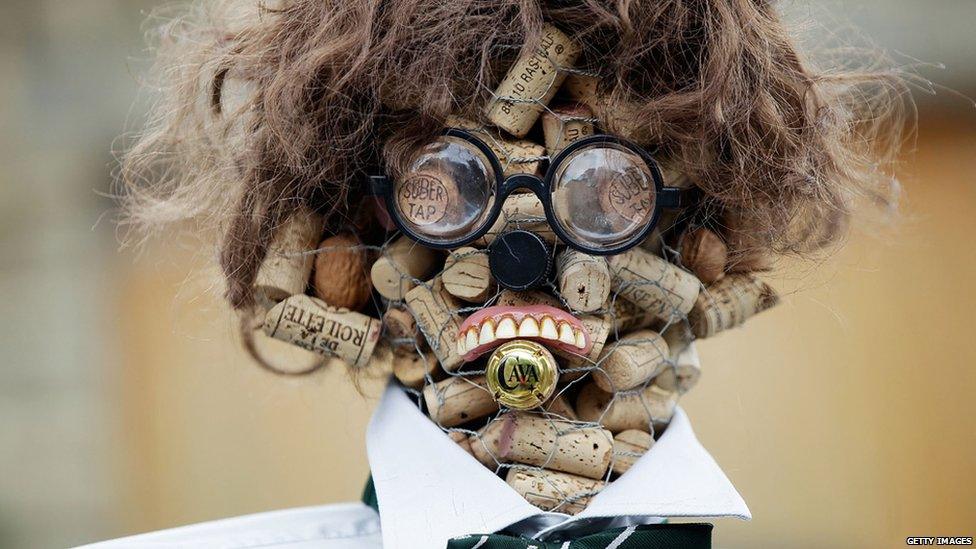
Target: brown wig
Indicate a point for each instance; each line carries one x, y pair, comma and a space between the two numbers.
263, 107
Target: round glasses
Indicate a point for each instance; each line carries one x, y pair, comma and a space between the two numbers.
601, 195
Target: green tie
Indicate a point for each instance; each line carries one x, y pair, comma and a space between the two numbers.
651, 536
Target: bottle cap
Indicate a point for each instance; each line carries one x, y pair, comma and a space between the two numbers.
522, 374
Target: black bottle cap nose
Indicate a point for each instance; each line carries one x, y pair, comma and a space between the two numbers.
519, 260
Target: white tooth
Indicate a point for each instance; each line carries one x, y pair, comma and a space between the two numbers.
461, 349
487, 333
528, 328
471, 338
580, 339
549, 328
506, 328
566, 334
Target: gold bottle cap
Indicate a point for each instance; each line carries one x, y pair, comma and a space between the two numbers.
522, 374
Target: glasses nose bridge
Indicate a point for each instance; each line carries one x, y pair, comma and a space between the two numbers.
518, 181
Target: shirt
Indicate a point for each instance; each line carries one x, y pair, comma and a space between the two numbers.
430, 490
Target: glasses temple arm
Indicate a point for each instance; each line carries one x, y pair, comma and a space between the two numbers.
379, 185
674, 197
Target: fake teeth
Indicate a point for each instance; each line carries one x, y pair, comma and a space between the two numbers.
546, 328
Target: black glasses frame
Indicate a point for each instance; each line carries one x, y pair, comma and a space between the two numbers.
665, 197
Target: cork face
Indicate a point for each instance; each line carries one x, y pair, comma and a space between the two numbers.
560, 388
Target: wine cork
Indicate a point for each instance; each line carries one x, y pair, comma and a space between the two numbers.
628, 447
467, 276
517, 156
312, 324
565, 124
552, 490
340, 277
730, 302
704, 254
678, 335
640, 409
288, 265
581, 88
631, 361
682, 374
520, 211
458, 400
560, 407
653, 284
400, 329
627, 317
435, 311
413, 369
462, 440
584, 280
532, 82
400, 266
536, 440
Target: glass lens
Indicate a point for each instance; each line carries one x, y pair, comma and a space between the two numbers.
447, 192
603, 195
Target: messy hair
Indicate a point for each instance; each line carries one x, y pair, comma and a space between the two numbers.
262, 108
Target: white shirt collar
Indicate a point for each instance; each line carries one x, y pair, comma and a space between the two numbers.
430, 490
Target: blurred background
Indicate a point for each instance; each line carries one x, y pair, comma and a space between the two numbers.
845, 416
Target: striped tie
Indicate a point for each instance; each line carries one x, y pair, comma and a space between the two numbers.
652, 536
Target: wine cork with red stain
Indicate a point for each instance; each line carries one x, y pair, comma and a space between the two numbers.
544, 442
584, 280
552, 490
458, 400
517, 156
532, 82
288, 265
436, 313
653, 284
631, 361
683, 373
628, 317
566, 124
312, 324
639, 409
730, 302
520, 211
467, 275
400, 266
704, 253
628, 447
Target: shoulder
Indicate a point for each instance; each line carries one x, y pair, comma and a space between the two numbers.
341, 526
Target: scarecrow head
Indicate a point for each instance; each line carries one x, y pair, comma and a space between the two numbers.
525, 210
